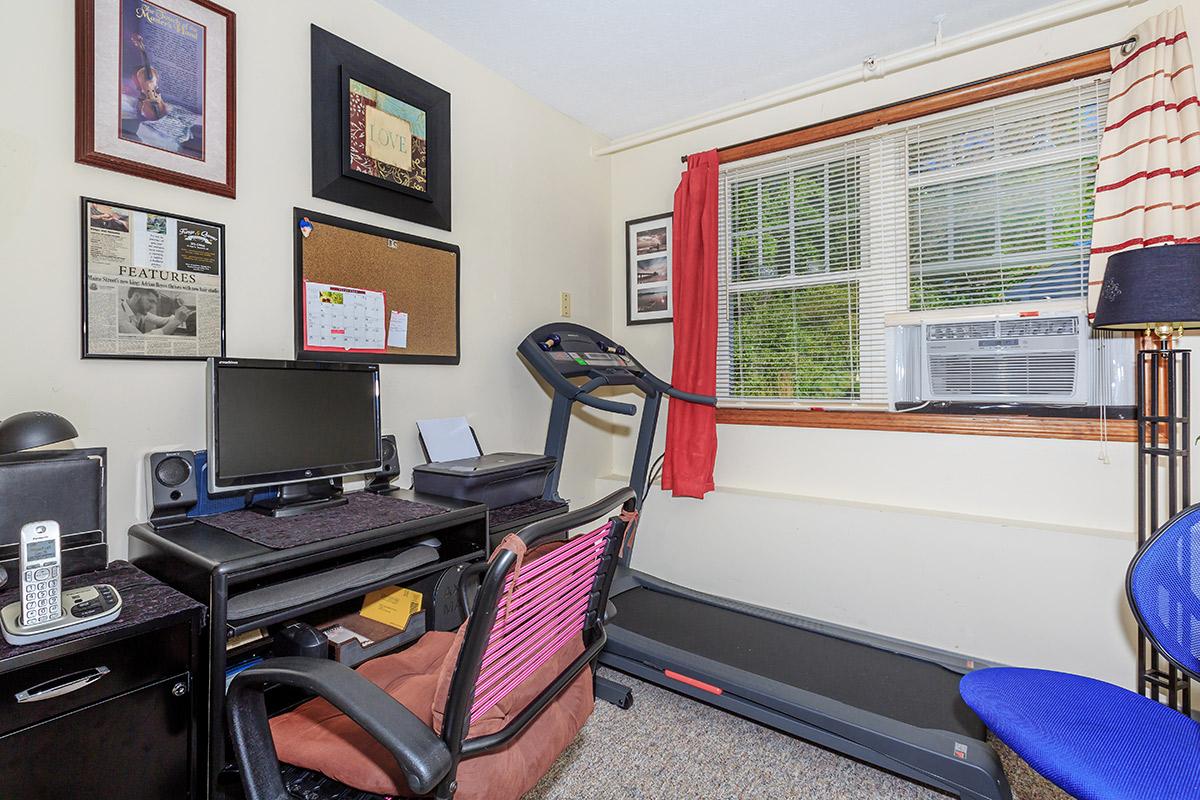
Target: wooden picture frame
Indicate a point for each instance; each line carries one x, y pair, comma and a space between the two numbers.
648, 270
179, 128
112, 274
385, 265
380, 135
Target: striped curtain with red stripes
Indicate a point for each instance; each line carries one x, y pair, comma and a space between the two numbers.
1147, 182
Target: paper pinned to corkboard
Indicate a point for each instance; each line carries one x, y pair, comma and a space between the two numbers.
418, 277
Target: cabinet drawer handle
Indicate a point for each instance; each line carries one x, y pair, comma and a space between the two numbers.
60, 686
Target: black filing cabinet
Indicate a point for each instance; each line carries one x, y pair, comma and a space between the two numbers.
106, 713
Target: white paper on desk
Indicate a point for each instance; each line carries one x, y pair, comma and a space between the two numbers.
448, 439
398, 330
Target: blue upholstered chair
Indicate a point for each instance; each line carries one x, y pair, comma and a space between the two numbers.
1095, 740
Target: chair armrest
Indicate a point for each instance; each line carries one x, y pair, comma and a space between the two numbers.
421, 754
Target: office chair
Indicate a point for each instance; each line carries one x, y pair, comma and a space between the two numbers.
448, 716
1095, 740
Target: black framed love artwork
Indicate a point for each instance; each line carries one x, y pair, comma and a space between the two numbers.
380, 135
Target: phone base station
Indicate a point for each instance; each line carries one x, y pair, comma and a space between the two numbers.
82, 608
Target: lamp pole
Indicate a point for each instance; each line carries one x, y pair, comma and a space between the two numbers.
1164, 441
1157, 290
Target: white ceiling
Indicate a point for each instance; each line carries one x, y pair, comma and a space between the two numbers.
626, 66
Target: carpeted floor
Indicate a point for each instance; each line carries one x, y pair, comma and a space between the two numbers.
669, 747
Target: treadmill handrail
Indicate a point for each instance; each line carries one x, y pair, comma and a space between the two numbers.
628, 409
534, 356
669, 390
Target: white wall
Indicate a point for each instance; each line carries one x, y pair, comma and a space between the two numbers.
1016, 493
967, 584
1019, 527
531, 211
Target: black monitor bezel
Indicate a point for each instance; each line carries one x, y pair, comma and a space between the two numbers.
218, 483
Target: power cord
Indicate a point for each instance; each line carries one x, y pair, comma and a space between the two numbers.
653, 474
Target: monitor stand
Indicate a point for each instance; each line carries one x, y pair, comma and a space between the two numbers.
301, 498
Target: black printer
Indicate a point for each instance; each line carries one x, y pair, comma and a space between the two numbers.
494, 479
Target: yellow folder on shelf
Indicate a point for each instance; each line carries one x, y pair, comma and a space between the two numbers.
392, 605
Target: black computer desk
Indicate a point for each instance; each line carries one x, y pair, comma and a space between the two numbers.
212, 565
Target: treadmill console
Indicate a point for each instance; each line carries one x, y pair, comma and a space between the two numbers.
577, 363
575, 351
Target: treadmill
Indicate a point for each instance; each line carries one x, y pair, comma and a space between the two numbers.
890, 703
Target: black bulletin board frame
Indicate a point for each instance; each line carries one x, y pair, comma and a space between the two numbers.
367, 358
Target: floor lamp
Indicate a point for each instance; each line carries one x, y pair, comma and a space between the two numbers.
1157, 290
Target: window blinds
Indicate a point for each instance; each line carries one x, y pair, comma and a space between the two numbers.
983, 205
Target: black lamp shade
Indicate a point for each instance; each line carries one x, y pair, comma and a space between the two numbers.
1151, 286
31, 429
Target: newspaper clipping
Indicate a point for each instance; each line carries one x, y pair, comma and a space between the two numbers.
153, 284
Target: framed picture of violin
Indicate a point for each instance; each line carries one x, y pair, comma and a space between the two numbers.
380, 135
155, 91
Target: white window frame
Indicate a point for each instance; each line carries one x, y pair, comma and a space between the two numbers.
884, 272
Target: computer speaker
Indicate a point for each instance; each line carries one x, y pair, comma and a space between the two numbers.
172, 485
381, 481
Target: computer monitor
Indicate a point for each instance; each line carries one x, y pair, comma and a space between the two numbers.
291, 424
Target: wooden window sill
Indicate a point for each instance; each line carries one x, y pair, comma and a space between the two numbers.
915, 422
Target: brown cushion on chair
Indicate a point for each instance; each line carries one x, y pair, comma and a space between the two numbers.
317, 736
523, 694
511, 771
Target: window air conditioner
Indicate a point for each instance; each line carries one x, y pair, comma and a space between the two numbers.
1045, 354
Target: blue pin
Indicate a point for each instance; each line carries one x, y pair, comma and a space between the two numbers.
306, 227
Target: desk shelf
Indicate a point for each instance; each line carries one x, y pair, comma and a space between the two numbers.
212, 565
293, 612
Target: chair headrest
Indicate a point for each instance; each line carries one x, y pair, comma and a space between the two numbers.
1164, 589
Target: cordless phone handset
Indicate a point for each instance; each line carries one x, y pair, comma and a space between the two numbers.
44, 611
41, 573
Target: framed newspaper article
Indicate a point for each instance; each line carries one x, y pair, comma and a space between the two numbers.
153, 284
155, 90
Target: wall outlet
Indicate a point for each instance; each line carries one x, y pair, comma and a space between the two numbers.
566, 304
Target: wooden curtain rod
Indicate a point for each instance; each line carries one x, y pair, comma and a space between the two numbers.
1083, 65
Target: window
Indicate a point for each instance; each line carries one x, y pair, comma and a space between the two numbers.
795, 261
987, 204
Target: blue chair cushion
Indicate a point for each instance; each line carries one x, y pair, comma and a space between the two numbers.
1094, 740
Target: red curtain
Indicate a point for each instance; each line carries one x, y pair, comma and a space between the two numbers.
692, 428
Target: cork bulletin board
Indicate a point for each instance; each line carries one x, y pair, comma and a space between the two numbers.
373, 295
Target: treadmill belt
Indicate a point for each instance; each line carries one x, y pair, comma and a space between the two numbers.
908, 689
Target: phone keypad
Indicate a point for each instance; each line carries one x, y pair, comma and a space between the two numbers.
42, 595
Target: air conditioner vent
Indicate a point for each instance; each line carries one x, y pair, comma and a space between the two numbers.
945, 331
1046, 326
1011, 374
